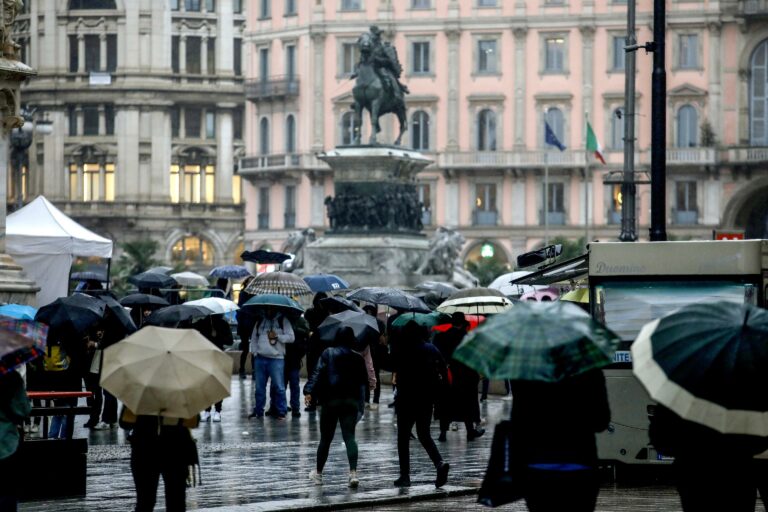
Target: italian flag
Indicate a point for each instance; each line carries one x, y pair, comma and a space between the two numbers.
593, 145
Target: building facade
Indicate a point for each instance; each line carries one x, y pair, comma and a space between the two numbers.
146, 100
483, 75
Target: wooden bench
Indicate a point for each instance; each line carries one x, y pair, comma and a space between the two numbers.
70, 411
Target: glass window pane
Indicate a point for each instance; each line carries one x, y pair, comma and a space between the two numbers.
109, 182
92, 53
73, 54
73, 183
111, 52
90, 120
237, 194
210, 185
109, 119
210, 125
175, 184
264, 136
237, 56
175, 54
211, 56
619, 55
193, 55
192, 122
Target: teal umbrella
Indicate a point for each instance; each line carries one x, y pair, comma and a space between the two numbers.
428, 320
275, 300
541, 341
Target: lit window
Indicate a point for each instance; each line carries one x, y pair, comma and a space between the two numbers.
91, 178
237, 190
192, 251
109, 182
175, 184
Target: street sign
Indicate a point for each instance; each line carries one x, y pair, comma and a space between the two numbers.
731, 234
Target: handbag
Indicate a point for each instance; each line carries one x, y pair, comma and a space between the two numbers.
96, 362
503, 482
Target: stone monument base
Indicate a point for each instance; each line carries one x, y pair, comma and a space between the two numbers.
368, 260
15, 286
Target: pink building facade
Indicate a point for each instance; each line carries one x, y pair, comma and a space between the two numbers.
483, 75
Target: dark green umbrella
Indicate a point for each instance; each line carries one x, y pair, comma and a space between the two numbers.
428, 320
541, 341
261, 302
708, 363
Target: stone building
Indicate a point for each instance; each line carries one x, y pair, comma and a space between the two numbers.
146, 100
483, 75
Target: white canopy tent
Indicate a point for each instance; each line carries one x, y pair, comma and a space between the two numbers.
44, 241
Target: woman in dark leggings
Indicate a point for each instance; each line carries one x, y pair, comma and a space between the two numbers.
338, 385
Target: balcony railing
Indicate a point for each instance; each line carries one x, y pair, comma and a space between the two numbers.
274, 88
748, 155
290, 220
511, 159
257, 164
553, 218
686, 156
484, 218
426, 217
753, 7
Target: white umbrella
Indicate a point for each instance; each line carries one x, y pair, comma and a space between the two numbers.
473, 306
166, 372
503, 284
191, 279
218, 305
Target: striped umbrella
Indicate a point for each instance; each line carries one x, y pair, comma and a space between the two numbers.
281, 283
708, 363
541, 341
20, 341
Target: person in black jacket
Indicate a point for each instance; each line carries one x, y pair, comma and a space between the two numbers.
713, 471
216, 330
338, 384
245, 323
315, 316
420, 373
553, 440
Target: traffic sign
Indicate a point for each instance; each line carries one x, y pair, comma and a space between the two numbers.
731, 234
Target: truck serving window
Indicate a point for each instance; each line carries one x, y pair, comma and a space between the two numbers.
626, 306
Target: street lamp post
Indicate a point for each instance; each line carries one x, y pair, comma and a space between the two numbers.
21, 140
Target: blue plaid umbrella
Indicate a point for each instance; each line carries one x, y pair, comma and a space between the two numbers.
326, 283
230, 272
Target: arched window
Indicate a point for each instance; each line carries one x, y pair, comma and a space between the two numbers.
617, 129
556, 121
264, 136
687, 127
486, 130
420, 130
192, 251
79, 5
290, 134
348, 128
758, 96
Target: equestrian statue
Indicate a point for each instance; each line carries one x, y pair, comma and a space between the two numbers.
377, 88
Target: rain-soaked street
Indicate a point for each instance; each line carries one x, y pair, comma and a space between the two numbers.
262, 465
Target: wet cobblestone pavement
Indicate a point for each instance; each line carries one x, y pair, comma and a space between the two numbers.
267, 461
262, 466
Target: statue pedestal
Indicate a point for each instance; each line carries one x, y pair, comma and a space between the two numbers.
376, 234
368, 260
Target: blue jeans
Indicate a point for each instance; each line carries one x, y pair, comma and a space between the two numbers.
292, 383
267, 368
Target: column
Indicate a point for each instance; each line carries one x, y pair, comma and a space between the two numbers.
715, 71
520, 34
102, 121
102, 52
587, 73
743, 106
224, 153
317, 201
54, 171
318, 104
451, 201
5, 169
182, 54
160, 35
518, 202
453, 34
80, 119
130, 42
126, 186
80, 53
47, 38
225, 35
204, 55
712, 196
161, 154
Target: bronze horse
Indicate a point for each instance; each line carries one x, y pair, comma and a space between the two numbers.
371, 94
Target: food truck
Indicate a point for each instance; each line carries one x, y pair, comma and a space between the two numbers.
632, 284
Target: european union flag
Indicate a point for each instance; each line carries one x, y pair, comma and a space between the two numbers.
550, 137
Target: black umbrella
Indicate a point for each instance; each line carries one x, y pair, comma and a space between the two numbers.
437, 288
75, 314
117, 319
262, 256
152, 280
89, 276
160, 270
391, 297
177, 316
364, 326
144, 300
337, 304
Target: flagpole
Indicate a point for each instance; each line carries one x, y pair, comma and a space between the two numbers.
586, 185
546, 184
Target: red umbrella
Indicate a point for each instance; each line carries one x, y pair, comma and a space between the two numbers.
474, 321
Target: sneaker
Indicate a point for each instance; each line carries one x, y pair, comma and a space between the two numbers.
310, 408
242, 375
475, 433
403, 481
507, 398
255, 415
454, 427
442, 474
374, 407
295, 414
216, 417
353, 481
317, 478
27, 428
90, 424
205, 416
101, 426
35, 428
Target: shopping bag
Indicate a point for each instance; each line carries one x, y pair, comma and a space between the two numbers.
503, 482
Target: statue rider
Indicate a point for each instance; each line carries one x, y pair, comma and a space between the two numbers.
386, 64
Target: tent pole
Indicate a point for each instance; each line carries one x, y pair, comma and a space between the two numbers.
109, 270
